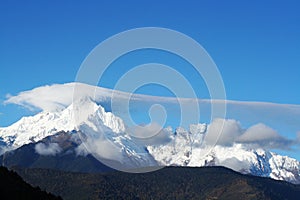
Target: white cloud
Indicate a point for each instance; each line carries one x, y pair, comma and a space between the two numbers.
284, 116
229, 131
81, 150
104, 149
44, 98
98, 145
235, 164
61, 95
259, 132
266, 137
225, 130
152, 134
50, 149
57, 96
146, 131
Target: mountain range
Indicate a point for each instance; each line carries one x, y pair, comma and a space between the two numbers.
54, 140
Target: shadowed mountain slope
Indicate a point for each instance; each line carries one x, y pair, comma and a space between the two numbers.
12, 186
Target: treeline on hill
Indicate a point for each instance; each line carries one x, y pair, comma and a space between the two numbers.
167, 183
12, 186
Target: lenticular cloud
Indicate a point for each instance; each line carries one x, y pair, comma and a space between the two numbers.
58, 96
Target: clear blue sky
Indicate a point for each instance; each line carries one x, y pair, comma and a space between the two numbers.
255, 44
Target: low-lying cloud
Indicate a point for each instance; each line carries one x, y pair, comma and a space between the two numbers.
151, 134
229, 131
264, 136
225, 130
50, 149
98, 145
235, 164
81, 150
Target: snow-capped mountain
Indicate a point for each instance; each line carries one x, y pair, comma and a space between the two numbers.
89, 121
184, 148
34, 128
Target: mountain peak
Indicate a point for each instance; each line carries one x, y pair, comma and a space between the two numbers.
184, 148
34, 128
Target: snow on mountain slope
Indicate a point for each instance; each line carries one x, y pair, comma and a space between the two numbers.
103, 132
105, 137
34, 128
187, 149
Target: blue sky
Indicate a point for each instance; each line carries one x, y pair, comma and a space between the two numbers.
255, 44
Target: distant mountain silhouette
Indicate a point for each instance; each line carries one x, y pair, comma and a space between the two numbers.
168, 183
12, 186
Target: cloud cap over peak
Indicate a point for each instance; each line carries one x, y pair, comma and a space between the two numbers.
282, 117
